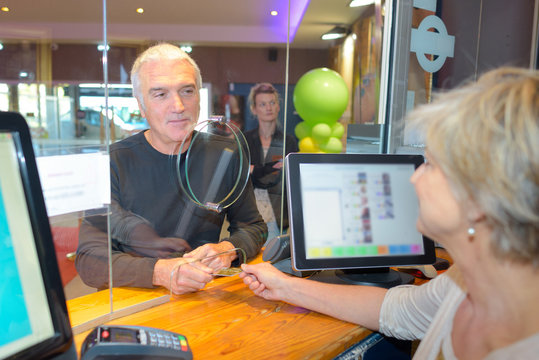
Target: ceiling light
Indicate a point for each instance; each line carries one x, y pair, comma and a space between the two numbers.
356, 3
1, 46
186, 48
274, 13
101, 47
4, 8
140, 10
336, 33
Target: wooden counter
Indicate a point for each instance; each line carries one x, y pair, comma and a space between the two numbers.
227, 321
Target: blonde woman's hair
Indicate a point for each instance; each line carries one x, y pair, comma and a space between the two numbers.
485, 136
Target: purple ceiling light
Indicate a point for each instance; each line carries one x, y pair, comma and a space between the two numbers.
279, 24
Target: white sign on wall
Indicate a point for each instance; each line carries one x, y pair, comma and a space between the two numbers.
74, 182
437, 43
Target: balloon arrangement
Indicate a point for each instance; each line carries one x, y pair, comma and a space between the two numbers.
320, 98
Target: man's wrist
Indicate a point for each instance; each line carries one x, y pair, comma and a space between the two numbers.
156, 273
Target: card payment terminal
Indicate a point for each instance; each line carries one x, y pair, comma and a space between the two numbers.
134, 342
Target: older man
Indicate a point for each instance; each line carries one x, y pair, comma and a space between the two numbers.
152, 221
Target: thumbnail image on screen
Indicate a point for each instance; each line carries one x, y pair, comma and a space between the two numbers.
352, 210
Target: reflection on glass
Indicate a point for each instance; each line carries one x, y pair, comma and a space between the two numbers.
368, 71
35, 80
269, 144
57, 84
220, 143
167, 183
65, 233
123, 112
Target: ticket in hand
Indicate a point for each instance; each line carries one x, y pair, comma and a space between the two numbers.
228, 272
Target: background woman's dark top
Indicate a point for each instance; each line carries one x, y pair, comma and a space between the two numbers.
264, 176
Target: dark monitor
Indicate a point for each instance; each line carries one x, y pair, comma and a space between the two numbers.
355, 213
34, 323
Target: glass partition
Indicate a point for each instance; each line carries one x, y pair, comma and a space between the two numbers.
38, 79
439, 45
358, 58
199, 180
417, 48
68, 73
399, 53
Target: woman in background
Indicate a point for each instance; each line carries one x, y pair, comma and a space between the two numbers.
478, 196
266, 147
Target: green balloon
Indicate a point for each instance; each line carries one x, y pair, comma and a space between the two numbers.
302, 130
337, 130
333, 145
320, 96
321, 133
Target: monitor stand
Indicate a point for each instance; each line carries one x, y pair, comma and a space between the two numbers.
285, 266
380, 277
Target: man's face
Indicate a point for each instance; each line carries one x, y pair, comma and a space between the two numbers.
172, 101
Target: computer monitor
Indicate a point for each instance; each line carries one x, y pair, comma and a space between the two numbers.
355, 213
34, 323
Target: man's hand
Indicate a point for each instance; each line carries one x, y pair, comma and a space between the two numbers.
190, 274
158, 247
187, 277
218, 262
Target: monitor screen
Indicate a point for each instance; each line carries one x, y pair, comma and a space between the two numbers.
33, 316
352, 211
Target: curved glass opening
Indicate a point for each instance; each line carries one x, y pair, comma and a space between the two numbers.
213, 187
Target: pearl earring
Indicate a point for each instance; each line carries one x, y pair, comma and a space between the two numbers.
471, 233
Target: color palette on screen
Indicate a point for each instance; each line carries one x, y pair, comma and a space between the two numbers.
363, 250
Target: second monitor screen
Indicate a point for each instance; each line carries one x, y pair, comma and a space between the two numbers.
352, 210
